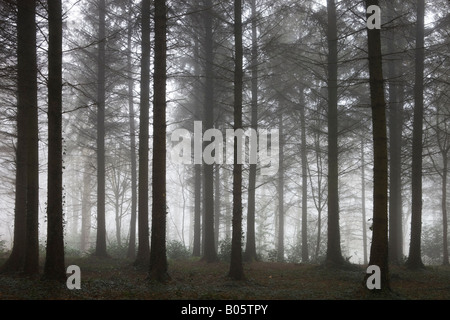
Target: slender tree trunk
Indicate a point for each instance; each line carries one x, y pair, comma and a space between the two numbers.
236, 268
86, 210
196, 250
131, 254
143, 253
395, 136
445, 261
216, 205
54, 260
100, 249
209, 253
304, 159
415, 259
26, 103
334, 255
379, 247
363, 200
280, 246
27, 16
250, 249
197, 210
158, 259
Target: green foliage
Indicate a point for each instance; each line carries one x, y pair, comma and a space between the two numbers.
177, 251
432, 244
117, 251
224, 253
3, 249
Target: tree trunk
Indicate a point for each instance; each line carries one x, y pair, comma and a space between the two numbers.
27, 29
143, 253
26, 103
158, 259
334, 255
250, 249
304, 159
445, 261
100, 249
280, 243
54, 260
415, 259
86, 206
216, 205
236, 268
363, 201
131, 253
209, 253
395, 139
379, 247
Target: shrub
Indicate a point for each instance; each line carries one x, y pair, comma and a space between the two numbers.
177, 251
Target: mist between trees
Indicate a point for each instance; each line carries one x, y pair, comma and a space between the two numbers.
97, 94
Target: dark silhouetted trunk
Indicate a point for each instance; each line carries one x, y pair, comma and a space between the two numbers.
26, 105
209, 252
363, 201
131, 253
158, 259
280, 244
415, 259
100, 249
250, 249
236, 268
27, 29
334, 255
395, 141
379, 247
304, 159
86, 206
143, 253
54, 260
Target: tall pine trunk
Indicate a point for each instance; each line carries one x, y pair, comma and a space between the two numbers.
280, 243
304, 160
395, 137
158, 259
415, 259
100, 249
54, 260
26, 105
28, 26
334, 255
209, 252
379, 247
143, 253
236, 268
131, 253
250, 249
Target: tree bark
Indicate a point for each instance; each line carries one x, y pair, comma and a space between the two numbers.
236, 268
250, 249
304, 159
143, 253
54, 260
379, 247
209, 252
334, 255
26, 105
131, 253
415, 259
100, 249
280, 243
158, 259
395, 139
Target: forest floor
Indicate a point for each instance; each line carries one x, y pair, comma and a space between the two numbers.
117, 279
